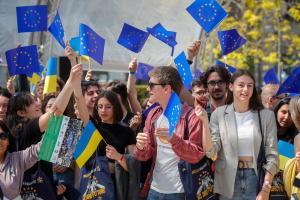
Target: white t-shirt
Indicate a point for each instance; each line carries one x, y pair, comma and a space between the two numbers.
166, 177
245, 130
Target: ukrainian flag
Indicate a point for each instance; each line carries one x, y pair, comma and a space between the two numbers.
75, 45
286, 152
87, 144
51, 76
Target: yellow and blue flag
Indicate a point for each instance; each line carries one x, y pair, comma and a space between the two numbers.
230, 40
292, 84
75, 45
173, 112
22, 60
184, 70
132, 38
208, 13
142, 71
87, 144
36, 76
91, 44
270, 77
32, 18
167, 37
57, 30
51, 76
286, 152
228, 67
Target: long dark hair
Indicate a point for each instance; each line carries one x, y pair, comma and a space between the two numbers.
113, 99
12, 146
16, 103
255, 100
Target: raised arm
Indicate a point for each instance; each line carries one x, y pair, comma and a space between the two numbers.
63, 98
81, 105
134, 104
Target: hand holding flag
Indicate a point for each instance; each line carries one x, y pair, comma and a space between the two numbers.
193, 50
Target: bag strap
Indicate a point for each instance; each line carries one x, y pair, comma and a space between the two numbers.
186, 130
260, 126
261, 154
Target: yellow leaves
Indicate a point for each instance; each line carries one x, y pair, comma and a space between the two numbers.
272, 58
295, 40
295, 12
253, 34
252, 18
268, 5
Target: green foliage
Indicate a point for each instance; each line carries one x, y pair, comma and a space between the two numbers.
142, 92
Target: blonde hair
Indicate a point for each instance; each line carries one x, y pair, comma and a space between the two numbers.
294, 109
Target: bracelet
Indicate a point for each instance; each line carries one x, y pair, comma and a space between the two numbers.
190, 62
122, 157
131, 73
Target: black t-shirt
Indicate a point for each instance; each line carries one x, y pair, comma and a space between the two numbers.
116, 135
126, 120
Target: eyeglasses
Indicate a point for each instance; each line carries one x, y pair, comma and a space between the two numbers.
104, 107
214, 83
4, 136
151, 85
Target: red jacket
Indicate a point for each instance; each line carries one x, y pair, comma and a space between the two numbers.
188, 150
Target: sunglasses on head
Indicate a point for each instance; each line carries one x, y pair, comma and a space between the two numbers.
4, 135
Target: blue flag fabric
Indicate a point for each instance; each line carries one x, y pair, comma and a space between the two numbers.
91, 44
32, 18
184, 70
230, 40
208, 13
197, 74
291, 84
173, 112
167, 37
271, 77
142, 71
228, 67
75, 43
22, 60
132, 38
57, 30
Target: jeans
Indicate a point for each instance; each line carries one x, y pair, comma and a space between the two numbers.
153, 195
244, 186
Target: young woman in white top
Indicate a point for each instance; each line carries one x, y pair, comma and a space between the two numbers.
234, 140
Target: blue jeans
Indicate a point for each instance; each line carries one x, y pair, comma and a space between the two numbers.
244, 186
153, 195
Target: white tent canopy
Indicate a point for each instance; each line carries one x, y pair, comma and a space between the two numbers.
106, 17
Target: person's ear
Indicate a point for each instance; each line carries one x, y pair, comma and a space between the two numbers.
230, 87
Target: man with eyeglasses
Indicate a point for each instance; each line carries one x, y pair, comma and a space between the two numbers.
216, 80
163, 180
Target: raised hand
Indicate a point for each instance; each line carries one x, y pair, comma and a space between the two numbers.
132, 67
193, 49
10, 85
135, 121
141, 140
70, 53
89, 75
76, 73
201, 112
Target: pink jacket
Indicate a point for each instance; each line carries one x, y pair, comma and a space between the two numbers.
189, 150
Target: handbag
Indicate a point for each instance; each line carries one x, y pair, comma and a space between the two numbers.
36, 186
277, 191
96, 182
197, 179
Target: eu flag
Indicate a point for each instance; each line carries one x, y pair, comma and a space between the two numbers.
172, 112
228, 67
184, 70
132, 38
22, 60
271, 77
142, 71
91, 44
167, 37
291, 84
32, 18
208, 13
36, 76
57, 30
230, 41
197, 74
